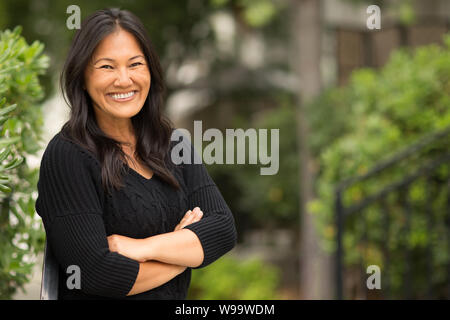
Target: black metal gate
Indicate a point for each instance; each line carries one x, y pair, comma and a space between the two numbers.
380, 227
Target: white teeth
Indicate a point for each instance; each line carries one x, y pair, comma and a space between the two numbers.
123, 95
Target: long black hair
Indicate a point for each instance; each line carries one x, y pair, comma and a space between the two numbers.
152, 129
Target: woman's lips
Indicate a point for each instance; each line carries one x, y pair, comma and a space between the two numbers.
122, 96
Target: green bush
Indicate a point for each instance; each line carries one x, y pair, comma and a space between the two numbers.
21, 237
273, 199
231, 279
265, 201
377, 114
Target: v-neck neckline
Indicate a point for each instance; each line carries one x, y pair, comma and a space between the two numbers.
140, 175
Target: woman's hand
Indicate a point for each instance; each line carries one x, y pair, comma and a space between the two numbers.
128, 247
190, 217
139, 249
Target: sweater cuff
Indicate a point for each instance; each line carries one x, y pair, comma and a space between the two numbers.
217, 236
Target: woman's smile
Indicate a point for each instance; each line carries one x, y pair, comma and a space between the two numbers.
122, 96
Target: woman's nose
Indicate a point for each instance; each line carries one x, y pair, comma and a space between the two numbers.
123, 79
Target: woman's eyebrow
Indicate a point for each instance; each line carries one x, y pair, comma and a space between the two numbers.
138, 56
107, 59
112, 60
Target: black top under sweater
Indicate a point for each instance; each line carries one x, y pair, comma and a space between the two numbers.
78, 216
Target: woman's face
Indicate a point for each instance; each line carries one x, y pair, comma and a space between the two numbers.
117, 77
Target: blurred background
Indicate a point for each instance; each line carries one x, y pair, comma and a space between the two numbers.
364, 119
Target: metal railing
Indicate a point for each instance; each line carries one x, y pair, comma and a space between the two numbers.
395, 197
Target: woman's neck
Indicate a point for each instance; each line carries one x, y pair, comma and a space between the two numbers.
120, 130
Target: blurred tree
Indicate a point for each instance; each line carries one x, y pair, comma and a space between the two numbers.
265, 201
305, 57
385, 111
252, 279
21, 237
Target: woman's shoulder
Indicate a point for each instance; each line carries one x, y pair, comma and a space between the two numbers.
61, 151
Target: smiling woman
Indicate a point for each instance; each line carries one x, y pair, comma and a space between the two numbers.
118, 86
112, 201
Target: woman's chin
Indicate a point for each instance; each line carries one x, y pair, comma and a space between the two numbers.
126, 112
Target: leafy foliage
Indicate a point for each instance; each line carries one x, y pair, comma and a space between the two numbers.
384, 112
270, 201
273, 199
229, 278
21, 237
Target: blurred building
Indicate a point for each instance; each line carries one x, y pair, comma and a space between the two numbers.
356, 46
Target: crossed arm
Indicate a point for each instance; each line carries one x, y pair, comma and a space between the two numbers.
161, 257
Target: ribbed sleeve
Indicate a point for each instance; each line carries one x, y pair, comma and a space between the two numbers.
70, 207
216, 230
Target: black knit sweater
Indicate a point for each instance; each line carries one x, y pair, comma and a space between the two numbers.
78, 216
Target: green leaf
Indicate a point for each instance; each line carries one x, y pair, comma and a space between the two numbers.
14, 164
7, 109
5, 142
4, 154
4, 188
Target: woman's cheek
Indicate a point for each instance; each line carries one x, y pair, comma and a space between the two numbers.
143, 77
142, 73
101, 80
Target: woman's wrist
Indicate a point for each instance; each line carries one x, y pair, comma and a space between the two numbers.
150, 248
181, 247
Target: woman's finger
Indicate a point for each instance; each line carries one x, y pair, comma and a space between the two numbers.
190, 217
186, 216
198, 215
183, 221
195, 216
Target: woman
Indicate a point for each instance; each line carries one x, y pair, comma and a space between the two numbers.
111, 200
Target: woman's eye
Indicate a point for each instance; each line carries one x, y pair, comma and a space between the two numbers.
106, 67
136, 64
